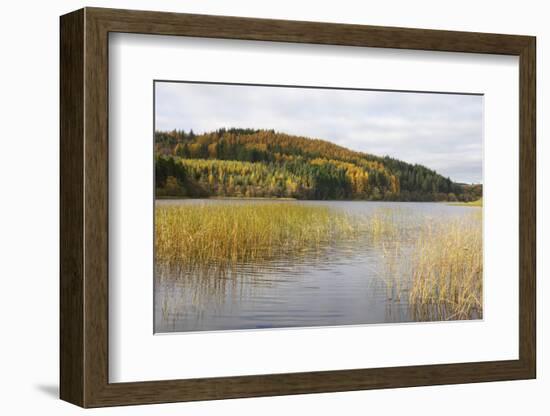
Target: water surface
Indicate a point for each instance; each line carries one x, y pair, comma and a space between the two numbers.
340, 284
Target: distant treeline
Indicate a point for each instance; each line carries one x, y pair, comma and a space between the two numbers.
265, 163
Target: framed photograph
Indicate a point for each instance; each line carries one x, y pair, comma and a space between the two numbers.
254, 207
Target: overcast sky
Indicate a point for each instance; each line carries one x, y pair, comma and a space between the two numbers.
441, 131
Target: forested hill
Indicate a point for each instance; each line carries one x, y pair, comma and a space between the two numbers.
265, 163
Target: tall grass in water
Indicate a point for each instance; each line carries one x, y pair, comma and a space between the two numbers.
225, 235
434, 265
382, 224
447, 270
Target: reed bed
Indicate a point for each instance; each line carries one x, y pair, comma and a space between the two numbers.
383, 224
447, 269
435, 265
226, 235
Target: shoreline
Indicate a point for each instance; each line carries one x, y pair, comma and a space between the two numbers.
477, 203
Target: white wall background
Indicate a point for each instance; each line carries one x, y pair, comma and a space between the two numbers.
29, 159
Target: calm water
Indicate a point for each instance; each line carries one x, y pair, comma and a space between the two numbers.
341, 284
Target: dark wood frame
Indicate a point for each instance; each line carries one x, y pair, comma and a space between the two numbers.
84, 208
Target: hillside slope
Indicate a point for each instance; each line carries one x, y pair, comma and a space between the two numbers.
265, 163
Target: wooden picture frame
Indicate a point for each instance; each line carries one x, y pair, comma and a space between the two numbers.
84, 207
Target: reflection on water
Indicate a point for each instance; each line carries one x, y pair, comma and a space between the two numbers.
338, 283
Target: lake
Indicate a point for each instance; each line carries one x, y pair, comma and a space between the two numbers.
337, 283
